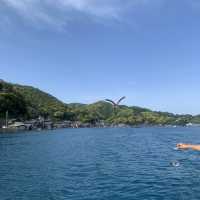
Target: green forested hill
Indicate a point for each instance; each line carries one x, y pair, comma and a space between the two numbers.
39, 102
25, 102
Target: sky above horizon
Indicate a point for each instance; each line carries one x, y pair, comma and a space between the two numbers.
89, 50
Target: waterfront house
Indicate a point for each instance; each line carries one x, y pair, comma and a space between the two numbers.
18, 126
48, 124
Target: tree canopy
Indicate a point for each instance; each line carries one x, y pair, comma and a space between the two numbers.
28, 102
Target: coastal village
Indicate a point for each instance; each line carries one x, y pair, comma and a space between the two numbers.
48, 124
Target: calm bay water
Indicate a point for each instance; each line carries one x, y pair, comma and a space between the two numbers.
100, 164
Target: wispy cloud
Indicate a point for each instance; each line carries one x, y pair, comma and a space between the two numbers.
59, 12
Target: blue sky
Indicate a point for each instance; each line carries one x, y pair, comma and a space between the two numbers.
88, 50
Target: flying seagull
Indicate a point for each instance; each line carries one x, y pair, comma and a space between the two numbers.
115, 104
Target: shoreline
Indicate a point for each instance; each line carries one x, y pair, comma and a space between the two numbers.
11, 130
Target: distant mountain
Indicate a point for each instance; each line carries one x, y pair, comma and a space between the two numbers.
12, 101
32, 101
39, 102
26, 102
76, 105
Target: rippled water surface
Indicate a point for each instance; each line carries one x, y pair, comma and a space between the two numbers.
100, 164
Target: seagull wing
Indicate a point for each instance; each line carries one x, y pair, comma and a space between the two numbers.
120, 100
110, 101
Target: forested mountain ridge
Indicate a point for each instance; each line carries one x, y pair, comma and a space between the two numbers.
26, 102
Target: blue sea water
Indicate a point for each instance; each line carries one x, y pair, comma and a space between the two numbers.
100, 164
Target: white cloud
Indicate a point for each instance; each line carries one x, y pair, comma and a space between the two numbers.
59, 12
